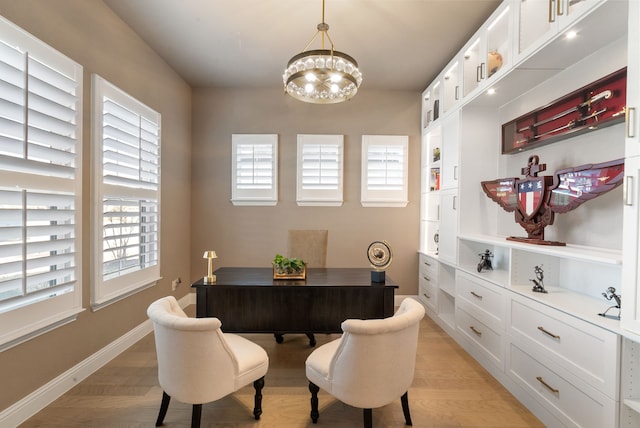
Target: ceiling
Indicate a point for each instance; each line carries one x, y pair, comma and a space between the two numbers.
399, 44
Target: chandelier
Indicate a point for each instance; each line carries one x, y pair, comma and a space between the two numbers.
322, 76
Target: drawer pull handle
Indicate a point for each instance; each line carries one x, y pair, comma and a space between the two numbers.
474, 294
426, 278
426, 295
546, 385
427, 263
475, 330
548, 333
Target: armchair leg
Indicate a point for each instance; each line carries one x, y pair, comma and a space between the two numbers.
196, 415
257, 406
368, 418
313, 388
163, 408
405, 408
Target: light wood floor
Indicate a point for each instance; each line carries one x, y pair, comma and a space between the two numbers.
449, 390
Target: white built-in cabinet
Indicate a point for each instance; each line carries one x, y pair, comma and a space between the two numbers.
630, 385
570, 366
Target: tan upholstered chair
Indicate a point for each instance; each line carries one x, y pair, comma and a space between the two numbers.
308, 245
371, 365
198, 363
311, 247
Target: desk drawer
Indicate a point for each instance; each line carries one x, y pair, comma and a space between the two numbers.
574, 406
583, 350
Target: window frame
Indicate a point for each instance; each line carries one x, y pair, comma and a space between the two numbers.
371, 197
254, 196
310, 196
107, 291
48, 310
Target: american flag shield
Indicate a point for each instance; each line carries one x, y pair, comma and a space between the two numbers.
530, 194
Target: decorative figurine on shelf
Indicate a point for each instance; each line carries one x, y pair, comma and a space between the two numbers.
485, 261
611, 295
379, 255
535, 199
539, 281
436, 239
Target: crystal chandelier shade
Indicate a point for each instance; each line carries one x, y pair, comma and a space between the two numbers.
322, 76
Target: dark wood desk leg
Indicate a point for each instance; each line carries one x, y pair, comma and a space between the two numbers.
312, 339
314, 389
257, 407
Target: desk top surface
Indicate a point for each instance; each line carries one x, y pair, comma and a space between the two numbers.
320, 277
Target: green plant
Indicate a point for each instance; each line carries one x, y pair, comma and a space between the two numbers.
286, 265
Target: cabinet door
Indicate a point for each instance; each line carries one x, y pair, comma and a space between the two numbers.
448, 238
488, 51
450, 151
540, 20
452, 85
630, 266
632, 147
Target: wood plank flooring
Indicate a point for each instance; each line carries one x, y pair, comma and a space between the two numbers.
449, 390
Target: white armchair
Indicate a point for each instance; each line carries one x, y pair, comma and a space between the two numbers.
198, 363
371, 365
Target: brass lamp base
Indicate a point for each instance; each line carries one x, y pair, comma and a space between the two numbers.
210, 279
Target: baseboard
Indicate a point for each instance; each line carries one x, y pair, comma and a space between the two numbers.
24, 409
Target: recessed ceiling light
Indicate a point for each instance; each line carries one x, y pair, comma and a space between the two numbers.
491, 91
571, 34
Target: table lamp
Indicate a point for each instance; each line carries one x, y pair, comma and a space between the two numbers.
210, 255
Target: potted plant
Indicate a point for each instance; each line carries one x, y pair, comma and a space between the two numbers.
288, 268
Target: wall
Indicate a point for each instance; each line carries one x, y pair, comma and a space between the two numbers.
251, 236
91, 34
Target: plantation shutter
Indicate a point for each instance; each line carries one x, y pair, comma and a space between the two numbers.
320, 170
384, 170
128, 145
40, 185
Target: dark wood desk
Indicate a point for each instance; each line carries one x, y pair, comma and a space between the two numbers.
249, 300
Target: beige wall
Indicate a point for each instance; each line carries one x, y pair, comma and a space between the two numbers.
251, 236
89, 33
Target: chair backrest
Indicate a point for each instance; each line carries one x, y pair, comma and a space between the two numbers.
375, 361
308, 245
195, 364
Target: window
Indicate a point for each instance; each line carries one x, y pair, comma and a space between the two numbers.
126, 191
40, 187
320, 161
254, 169
384, 170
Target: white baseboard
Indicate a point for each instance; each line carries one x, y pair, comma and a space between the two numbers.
24, 409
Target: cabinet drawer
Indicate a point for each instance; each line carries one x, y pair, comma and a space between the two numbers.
581, 349
428, 291
574, 406
488, 341
428, 266
483, 300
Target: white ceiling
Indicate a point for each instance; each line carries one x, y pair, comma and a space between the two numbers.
399, 44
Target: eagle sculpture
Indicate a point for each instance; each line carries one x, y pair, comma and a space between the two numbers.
535, 199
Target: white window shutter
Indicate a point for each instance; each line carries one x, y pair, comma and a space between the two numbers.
40, 186
126, 161
320, 170
254, 178
384, 171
